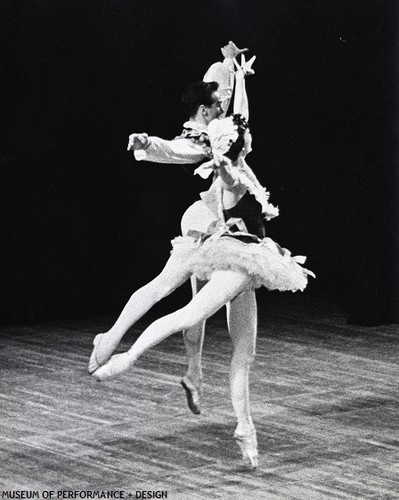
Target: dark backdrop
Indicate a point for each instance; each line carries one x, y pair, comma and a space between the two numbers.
83, 224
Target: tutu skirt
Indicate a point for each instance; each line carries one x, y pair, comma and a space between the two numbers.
264, 261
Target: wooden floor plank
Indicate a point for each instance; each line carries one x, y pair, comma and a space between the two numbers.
324, 399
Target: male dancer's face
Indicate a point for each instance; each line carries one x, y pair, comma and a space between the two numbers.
215, 110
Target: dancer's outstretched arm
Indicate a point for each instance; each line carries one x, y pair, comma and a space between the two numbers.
175, 151
223, 287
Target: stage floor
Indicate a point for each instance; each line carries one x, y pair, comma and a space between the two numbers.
324, 398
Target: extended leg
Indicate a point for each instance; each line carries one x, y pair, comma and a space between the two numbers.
223, 287
242, 319
172, 276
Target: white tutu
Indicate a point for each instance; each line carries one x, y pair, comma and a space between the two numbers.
265, 262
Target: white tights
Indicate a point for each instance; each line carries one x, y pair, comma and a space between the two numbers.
225, 287
242, 323
174, 274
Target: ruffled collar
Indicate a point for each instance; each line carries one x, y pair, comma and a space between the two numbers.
199, 127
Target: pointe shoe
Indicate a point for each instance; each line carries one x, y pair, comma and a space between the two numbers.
93, 361
249, 447
193, 394
117, 364
106, 343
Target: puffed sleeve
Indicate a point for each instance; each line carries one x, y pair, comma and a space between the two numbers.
180, 151
223, 74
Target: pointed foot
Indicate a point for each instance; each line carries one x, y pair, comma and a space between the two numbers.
118, 364
193, 394
248, 445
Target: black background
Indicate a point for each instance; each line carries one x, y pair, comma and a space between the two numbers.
83, 224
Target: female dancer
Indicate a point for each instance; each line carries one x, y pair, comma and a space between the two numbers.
231, 260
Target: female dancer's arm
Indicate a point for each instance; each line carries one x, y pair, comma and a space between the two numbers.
232, 186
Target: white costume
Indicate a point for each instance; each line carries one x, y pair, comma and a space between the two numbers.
213, 245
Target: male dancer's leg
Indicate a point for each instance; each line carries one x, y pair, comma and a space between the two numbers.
193, 341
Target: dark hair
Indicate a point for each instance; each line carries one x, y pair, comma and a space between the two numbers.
197, 93
236, 147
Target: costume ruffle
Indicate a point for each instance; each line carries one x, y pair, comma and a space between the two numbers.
265, 262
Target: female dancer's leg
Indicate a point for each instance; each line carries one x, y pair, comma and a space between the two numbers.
222, 288
171, 277
242, 315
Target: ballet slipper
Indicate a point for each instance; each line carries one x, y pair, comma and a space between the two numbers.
116, 365
248, 445
193, 394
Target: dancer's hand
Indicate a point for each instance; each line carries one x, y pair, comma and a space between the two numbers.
221, 162
225, 169
231, 50
137, 141
246, 66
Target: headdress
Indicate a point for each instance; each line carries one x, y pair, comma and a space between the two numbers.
222, 135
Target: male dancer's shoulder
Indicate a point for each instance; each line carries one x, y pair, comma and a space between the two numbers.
198, 137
